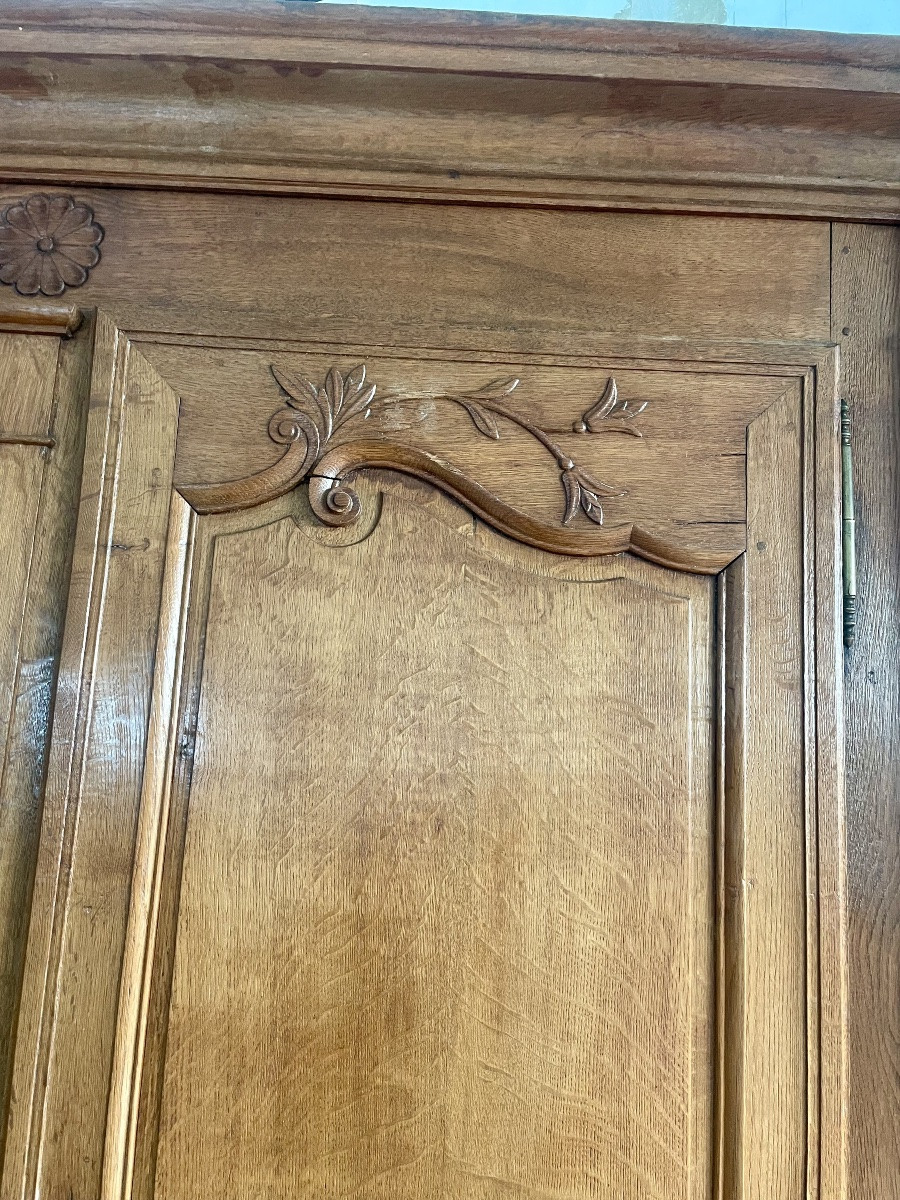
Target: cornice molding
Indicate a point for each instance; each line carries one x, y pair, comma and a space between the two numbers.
263, 96
189, 25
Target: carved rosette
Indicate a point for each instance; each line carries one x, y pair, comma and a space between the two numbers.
48, 244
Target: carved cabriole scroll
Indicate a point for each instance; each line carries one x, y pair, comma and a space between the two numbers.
314, 415
325, 490
509, 436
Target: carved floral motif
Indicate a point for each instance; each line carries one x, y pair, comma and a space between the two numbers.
317, 413
47, 243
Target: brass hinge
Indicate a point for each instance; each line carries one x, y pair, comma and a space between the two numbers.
848, 527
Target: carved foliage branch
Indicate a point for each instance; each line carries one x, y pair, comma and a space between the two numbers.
316, 413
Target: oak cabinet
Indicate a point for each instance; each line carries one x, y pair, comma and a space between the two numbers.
417, 838
442, 791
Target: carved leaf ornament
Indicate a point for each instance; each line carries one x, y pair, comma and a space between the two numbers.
317, 413
327, 436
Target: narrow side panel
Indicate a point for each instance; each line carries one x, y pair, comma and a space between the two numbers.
43, 400
70, 989
865, 321
766, 868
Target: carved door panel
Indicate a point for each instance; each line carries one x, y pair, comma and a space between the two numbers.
407, 838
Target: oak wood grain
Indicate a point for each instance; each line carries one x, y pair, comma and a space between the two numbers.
440, 927
667, 474
82, 883
27, 317
866, 320
164, 748
771, 883
200, 114
825, 771
134, 1026
393, 274
567, 113
21, 471
43, 386
671, 45
27, 377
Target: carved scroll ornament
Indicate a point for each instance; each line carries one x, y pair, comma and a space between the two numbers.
314, 415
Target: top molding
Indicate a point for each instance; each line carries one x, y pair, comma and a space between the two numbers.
266, 96
261, 29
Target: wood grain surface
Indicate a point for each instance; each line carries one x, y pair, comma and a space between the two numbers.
668, 481
774, 834
43, 384
261, 96
23, 316
339, 830
669, 48
389, 860
866, 320
27, 378
399, 274
82, 884
460, 912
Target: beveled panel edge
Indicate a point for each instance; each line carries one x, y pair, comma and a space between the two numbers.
473, 343
815, 574
771, 1107
53, 918
157, 784
829, 966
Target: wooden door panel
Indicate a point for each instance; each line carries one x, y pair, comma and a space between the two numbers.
445, 917
428, 862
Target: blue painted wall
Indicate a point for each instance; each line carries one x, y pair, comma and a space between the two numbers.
839, 16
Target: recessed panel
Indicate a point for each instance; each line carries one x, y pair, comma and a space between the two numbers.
445, 912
